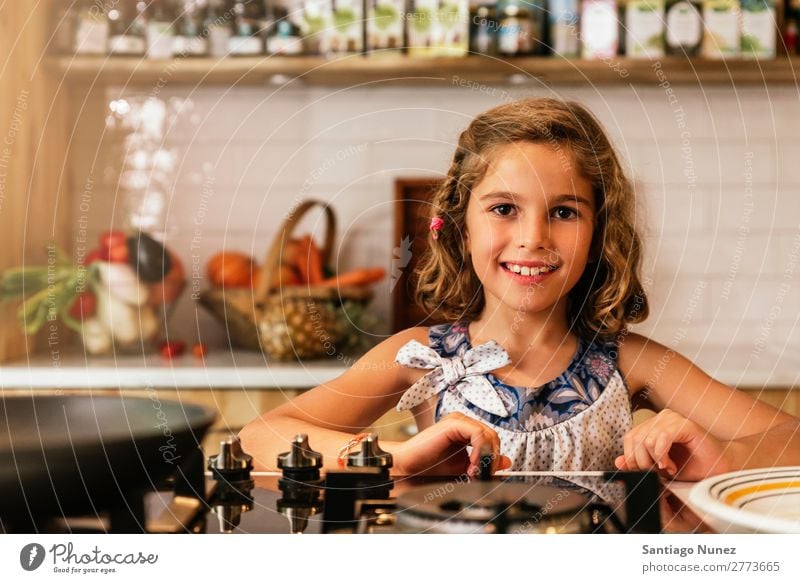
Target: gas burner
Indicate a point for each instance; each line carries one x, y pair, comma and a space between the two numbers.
359, 496
494, 508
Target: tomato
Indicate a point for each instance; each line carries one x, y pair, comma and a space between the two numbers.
199, 350
113, 238
93, 255
84, 306
118, 254
230, 269
172, 348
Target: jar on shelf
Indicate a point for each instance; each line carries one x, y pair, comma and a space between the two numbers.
483, 30
159, 30
283, 35
684, 27
218, 28
190, 37
520, 28
91, 29
128, 28
563, 28
246, 29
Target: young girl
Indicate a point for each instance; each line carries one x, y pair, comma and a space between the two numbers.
535, 262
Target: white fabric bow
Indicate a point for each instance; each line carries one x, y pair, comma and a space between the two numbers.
464, 373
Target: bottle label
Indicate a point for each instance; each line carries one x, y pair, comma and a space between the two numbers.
508, 38
684, 26
599, 29
284, 45
91, 36
159, 40
124, 44
218, 38
385, 24
190, 46
758, 31
722, 36
238, 45
645, 29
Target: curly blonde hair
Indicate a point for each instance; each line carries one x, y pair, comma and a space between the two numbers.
609, 294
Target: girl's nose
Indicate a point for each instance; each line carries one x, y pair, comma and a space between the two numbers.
534, 233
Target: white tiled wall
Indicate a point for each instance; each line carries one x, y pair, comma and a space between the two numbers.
717, 254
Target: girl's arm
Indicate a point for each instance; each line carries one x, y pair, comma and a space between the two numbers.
332, 413
704, 427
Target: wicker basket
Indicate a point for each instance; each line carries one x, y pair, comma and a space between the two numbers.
293, 321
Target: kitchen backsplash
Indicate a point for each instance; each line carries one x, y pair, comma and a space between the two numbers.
717, 172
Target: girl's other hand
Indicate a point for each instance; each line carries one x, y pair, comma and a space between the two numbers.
677, 447
441, 448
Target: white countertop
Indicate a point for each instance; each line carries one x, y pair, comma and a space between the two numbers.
219, 370
239, 369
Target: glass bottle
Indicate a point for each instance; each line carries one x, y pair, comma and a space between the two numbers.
283, 35
159, 30
91, 29
599, 29
684, 27
790, 36
515, 32
246, 28
190, 38
483, 28
128, 28
218, 27
564, 33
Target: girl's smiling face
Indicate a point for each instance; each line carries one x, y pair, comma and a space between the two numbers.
530, 223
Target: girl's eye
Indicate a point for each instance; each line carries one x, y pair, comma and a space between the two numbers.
564, 213
503, 210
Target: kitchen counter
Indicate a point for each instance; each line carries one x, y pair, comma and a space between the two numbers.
219, 370
239, 369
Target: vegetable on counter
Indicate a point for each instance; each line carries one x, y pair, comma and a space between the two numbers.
363, 276
301, 264
170, 287
172, 348
151, 261
230, 269
112, 296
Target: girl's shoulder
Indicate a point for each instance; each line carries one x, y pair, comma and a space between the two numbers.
640, 359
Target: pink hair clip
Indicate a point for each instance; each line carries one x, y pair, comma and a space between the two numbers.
436, 225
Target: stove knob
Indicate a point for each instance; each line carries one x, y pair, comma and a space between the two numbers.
231, 464
371, 455
300, 456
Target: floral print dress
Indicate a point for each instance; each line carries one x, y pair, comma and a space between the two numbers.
574, 422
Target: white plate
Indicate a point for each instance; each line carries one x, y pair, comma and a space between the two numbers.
765, 500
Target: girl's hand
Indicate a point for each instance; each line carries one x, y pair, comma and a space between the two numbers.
441, 448
677, 447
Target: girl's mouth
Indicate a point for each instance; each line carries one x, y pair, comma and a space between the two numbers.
526, 274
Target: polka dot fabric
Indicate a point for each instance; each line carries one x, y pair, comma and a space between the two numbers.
465, 374
585, 438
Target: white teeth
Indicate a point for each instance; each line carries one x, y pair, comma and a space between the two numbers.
528, 271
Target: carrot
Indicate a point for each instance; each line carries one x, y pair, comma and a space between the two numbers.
314, 262
363, 276
301, 260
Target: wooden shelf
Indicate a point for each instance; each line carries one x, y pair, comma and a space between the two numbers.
444, 71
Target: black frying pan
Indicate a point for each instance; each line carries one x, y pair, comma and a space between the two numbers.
71, 455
